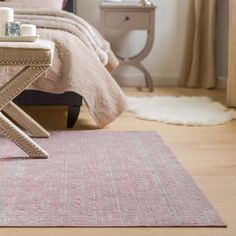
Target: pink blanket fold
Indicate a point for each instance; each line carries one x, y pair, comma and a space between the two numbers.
80, 53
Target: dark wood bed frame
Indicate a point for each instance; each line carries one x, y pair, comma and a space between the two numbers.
70, 99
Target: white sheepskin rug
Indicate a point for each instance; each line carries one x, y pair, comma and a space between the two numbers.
181, 110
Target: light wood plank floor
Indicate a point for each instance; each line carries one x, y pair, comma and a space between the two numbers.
208, 154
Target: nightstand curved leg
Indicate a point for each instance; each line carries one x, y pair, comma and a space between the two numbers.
147, 76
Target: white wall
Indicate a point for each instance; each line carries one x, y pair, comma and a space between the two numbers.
165, 58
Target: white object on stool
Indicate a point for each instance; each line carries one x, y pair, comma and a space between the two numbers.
6, 15
27, 30
146, 2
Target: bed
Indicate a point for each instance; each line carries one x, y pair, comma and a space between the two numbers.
104, 105
70, 99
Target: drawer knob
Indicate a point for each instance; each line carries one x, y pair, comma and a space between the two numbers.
127, 18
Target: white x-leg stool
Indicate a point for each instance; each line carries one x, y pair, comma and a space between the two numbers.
36, 58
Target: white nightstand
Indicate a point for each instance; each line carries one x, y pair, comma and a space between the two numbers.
130, 17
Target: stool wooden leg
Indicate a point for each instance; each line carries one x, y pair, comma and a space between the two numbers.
21, 139
25, 121
8, 92
19, 82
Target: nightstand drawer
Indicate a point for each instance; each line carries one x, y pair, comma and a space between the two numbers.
127, 20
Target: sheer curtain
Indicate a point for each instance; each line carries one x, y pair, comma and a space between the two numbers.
198, 66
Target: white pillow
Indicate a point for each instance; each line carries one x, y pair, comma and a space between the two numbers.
56, 4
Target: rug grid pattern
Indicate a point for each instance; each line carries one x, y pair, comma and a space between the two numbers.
100, 179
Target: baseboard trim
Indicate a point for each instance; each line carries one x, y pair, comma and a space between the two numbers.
221, 82
136, 80
161, 80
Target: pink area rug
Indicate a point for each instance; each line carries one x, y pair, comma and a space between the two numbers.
100, 179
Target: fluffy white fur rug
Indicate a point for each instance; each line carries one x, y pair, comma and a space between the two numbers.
181, 110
